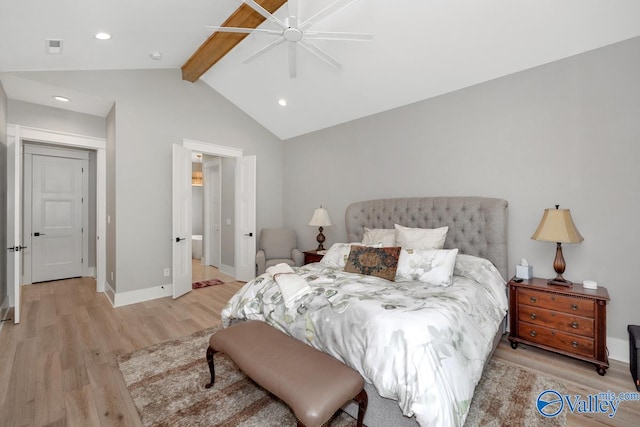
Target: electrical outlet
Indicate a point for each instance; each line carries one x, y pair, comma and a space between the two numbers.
167, 272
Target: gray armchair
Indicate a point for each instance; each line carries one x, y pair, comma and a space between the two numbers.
277, 245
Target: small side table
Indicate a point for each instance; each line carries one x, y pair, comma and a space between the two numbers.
313, 256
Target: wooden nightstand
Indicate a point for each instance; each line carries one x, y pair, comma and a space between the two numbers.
566, 320
313, 256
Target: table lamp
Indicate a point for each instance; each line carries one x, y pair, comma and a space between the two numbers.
320, 219
557, 226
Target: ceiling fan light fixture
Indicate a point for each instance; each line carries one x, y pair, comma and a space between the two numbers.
102, 36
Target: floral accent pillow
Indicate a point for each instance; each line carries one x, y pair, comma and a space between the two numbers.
434, 266
384, 236
337, 254
420, 238
379, 262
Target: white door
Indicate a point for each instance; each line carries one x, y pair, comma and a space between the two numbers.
245, 256
181, 220
14, 246
57, 218
212, 212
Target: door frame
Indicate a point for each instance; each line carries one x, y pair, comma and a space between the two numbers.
51, 137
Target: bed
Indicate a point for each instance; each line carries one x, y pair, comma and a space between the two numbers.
421, 348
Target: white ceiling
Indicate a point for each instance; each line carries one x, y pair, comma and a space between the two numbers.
421, 49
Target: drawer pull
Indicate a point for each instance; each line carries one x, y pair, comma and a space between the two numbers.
533, 334
574, 344
534, 299
574, 325
574, 307
533, 316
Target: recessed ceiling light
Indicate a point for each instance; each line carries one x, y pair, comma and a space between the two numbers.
61, 98
103, 36
156, 56
282, 102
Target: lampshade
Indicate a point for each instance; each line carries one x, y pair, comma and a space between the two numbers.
320, 218
557, 226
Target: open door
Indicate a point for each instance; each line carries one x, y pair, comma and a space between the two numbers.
181, 220
245, 256
14, 246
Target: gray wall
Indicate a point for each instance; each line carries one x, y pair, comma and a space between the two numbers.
155, 109
566, 132
227, 240
3, 195
110, 184
43, 117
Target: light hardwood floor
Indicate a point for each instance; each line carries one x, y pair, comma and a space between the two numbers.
58, 366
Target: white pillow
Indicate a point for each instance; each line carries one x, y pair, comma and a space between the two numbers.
420, 238
434, 266
337, 254
385, 236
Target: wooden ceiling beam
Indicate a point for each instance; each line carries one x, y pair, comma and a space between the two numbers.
219, 43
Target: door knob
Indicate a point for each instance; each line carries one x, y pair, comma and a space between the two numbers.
178, 239
38, 234
249, 234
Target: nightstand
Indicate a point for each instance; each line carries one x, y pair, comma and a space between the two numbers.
313, 256
567, 320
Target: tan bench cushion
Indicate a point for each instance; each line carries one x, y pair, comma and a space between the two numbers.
313, 384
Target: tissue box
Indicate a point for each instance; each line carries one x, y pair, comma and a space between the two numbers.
524, 271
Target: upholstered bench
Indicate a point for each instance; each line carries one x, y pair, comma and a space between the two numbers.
313, 384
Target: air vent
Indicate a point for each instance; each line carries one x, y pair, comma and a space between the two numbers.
54, 46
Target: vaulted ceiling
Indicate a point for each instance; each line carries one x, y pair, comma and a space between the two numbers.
420, 49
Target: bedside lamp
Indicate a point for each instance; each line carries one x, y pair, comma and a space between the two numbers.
320, 219
557, 226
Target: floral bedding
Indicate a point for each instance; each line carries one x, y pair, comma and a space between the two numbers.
420, 344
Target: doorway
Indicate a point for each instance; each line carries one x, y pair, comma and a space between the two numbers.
244, 214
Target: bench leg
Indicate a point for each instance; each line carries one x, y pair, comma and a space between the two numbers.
362, 400
210, 353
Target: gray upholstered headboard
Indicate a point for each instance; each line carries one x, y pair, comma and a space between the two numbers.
477, 225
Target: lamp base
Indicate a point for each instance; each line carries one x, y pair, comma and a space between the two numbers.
560, 281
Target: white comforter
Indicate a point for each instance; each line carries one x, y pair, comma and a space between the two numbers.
424, 346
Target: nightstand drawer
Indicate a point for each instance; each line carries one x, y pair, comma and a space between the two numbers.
556, 320
551, 301
559, 340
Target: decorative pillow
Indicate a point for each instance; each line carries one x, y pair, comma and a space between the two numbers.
337, 254
433, 266
385, 236
420, 238
379, 262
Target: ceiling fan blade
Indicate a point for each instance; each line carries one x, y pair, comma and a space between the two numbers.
265, 49
243, 30
262, 11
324, 13
320, 53
328, 35
293, 61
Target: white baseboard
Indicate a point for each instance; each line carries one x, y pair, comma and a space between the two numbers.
141, 295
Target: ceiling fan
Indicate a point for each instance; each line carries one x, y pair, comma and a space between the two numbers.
297, 33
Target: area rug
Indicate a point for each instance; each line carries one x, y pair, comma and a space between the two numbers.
166, 382
205, 283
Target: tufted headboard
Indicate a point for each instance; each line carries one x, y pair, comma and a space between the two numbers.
477, 225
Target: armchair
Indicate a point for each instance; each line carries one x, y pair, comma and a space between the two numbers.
277, 245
